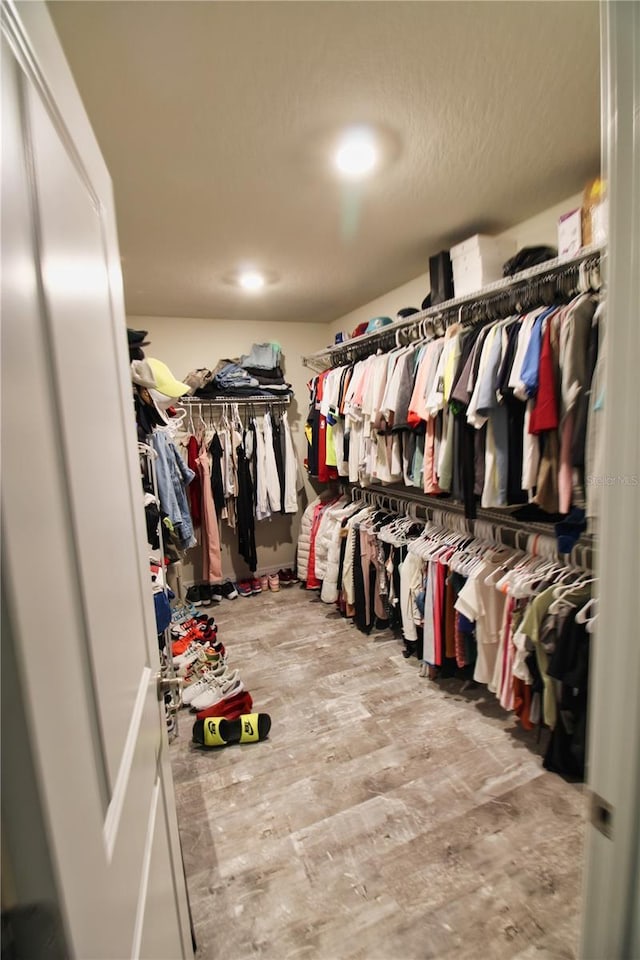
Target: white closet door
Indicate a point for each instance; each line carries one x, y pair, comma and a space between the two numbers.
75, 569
611, 915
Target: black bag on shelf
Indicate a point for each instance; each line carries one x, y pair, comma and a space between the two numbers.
441, 277
528, 257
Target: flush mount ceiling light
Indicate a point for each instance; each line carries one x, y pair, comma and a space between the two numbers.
251, 280
357, 153
245, 276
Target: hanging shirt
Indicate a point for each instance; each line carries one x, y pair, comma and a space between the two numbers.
263, 509
484, 605
290, 469
271, 469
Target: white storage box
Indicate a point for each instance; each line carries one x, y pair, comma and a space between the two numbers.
477, 262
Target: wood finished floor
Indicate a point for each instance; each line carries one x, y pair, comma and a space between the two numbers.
385, 818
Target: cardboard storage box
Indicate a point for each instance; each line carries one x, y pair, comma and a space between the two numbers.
570, 234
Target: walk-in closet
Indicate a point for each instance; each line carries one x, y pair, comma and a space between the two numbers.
320, 478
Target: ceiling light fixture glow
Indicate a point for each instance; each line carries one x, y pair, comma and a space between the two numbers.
251, 280
357, 153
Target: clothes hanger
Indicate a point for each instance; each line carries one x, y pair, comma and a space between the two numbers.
202, 423
497, 575
581, 615
561, 595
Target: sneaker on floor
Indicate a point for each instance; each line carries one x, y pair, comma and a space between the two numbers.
230, 686
205, 595
264, 581
179, 646
212, 677
294, 576
195, 670
196, 653
182, 629
190, 655
285, 578
244, 588
215, 592
231, 707
274, 582
193, 595
229, 591
197, 630
182, 613
256, 586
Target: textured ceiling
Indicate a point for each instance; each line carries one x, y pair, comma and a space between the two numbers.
216, 121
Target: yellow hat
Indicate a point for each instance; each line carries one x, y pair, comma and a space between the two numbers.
165, 381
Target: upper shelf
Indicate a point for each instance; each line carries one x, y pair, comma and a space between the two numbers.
222, 400
322, 359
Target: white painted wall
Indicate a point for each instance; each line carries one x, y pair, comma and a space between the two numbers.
185, 344
541, 229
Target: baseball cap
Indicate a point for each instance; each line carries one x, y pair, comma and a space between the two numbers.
406, 312
142, 374
136, 338
377, 323
166, 383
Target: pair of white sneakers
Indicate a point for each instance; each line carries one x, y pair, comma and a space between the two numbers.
196, 653
217, 683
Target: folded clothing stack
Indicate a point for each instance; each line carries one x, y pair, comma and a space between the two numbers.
258, 374
264, 362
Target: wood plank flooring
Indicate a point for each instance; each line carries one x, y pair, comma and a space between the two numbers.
387, 817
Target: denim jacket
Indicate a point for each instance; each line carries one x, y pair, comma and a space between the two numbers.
231, 375
173, 478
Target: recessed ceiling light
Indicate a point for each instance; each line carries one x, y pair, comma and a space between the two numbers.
356, 154
251, 280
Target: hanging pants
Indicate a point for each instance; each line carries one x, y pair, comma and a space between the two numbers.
211, 556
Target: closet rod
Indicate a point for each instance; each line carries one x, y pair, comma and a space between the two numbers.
369, 342
229, 401
389, 498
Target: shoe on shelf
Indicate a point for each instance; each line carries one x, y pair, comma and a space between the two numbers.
256, 586
194, 596
264, 581
229, 591
274, 582
244, 588
215, 592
